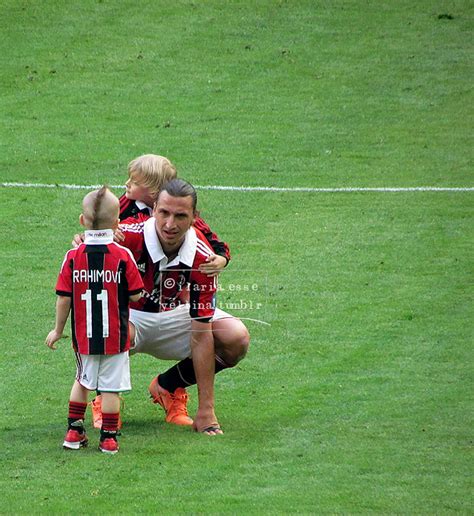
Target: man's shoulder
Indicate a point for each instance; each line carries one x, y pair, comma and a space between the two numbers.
203, 249
131, 225
202, 245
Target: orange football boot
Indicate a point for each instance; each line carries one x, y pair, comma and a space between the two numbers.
96, 407
174, 404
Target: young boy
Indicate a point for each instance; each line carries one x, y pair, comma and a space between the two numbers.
97, 279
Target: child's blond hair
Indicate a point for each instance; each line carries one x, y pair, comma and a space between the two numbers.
152, 171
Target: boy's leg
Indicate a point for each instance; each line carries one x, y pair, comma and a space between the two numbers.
110, 422
113, 378
76, 435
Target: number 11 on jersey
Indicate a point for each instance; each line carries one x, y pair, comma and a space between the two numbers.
104, 301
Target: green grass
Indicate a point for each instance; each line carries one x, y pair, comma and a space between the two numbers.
357, 398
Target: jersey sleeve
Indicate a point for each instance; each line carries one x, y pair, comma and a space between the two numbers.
133, 234
134, 279
64, 282
202, 296
219, 247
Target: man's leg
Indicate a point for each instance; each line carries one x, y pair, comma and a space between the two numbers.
165, 336
231, 341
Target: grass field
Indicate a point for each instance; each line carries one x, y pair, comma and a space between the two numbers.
358, 396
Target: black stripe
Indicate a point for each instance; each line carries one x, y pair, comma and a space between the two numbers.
122, 295
96, 342
64, 294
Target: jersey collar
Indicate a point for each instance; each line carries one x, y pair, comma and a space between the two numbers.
186, 252
142, 207
98, 236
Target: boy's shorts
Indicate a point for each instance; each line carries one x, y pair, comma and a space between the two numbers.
106, 373
165, 335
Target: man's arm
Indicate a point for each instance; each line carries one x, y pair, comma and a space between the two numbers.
202, 350
63, 306
219, 247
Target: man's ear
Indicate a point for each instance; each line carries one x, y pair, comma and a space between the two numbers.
81, 219
115, 225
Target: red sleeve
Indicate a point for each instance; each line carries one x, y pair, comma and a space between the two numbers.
134, 280
202, 296
219, 247
64, 282
133, 234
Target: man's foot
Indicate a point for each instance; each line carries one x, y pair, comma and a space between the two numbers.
96, 407
213, 429
75, 439
174, 404
109, 445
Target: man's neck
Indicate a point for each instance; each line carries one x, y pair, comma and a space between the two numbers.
171, 251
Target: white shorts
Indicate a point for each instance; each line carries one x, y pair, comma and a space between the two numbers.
165, 335
106, 373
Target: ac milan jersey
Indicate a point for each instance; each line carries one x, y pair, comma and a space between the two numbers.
99, 276
135, 209
141, 212
165, 281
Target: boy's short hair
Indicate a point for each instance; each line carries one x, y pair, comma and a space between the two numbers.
100, 209
153, 171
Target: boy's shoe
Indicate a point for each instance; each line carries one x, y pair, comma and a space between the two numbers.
75, 439
109, 445
96, 407
174, 404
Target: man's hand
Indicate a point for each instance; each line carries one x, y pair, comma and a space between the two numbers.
53, 336
213, 265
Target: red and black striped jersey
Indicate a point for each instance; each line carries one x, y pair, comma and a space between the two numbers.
141, 212
165, 282
136, 209
99, 276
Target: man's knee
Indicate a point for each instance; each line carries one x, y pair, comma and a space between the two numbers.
232, 345
243, 342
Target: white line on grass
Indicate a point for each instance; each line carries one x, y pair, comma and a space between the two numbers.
263, 188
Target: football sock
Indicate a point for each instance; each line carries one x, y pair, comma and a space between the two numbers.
77, 412
109, 425
182, 374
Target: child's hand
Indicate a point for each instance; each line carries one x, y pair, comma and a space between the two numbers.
77, 240
53, 336
118, 236
214, 264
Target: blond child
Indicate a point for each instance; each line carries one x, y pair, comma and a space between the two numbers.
146, 175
